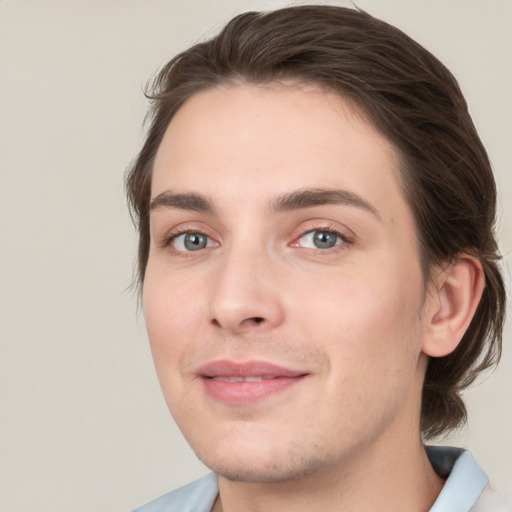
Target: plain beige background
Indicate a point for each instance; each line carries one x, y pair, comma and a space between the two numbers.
83, 424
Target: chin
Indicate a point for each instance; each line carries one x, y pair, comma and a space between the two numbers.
258, 474
275, 466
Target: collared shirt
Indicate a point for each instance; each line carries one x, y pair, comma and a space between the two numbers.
466, 488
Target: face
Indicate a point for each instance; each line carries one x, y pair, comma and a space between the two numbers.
283, 294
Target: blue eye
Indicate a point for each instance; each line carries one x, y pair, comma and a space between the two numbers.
320, 239
188, 242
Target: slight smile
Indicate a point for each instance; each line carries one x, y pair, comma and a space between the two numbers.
234, 383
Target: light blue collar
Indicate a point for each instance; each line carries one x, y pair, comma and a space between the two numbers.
466, 480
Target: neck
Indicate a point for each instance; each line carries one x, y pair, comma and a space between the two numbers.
396, 478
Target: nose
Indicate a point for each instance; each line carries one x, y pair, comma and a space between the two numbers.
245, 294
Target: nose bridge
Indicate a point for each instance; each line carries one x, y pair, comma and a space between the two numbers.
244, 294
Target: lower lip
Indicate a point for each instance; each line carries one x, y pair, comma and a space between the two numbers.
242, 393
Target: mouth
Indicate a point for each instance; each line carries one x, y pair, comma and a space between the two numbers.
234, 383
243, 379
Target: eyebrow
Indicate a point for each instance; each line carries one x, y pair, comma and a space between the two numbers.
310, 197
191, 202
297, 200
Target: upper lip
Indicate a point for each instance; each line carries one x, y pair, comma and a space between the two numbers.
227, 368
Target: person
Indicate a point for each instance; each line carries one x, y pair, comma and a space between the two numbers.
318, 266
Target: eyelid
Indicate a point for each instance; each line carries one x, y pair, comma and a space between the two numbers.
167, 239
344, 233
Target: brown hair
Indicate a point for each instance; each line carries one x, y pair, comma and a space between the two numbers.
414, 101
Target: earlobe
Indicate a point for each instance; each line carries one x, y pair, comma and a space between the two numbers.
454, 297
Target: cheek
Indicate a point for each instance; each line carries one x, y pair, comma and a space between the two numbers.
171, 315
368, 322
171, 322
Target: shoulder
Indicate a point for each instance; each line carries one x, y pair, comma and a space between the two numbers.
197, 496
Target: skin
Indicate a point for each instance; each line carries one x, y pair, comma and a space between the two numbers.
354, 318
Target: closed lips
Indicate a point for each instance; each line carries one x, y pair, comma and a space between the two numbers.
242, 384
255, 370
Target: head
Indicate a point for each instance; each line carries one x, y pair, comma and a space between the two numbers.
405, 95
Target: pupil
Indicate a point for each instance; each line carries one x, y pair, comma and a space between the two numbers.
195, 241
324, 239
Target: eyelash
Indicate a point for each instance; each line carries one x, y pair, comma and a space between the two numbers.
345, 240
171, 237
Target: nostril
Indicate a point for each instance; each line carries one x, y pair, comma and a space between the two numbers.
244, 324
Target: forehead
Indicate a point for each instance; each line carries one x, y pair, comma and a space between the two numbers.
273, 139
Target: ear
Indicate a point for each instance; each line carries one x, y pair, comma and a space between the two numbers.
451, 304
